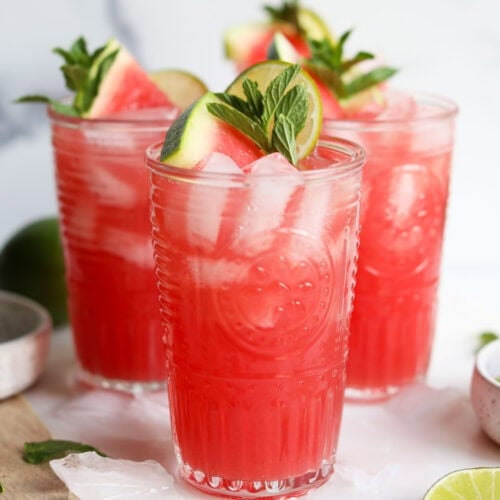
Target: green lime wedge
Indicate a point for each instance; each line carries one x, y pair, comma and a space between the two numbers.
467, 484
263, 73
181, 87
313, 25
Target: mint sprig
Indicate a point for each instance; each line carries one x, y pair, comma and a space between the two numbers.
329, 63
83, 73
288, 12
485, 338
44, 451
272, 119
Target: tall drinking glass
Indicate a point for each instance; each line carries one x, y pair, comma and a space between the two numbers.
256, 285
404, 197
103, 191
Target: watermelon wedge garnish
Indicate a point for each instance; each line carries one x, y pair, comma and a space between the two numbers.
248, 44
125, 86
348, 88
197, 133
272, 107
109, 80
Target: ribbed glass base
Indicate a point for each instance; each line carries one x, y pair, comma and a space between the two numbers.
289, 487
371, 395
128, 386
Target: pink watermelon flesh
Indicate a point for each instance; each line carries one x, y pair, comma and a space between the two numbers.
126, 87
257, 51
234, 144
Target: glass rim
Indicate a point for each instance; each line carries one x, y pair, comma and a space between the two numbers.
354, 161
128, 121
446, 108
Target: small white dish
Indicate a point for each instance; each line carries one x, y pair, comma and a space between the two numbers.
25, 329
485, 389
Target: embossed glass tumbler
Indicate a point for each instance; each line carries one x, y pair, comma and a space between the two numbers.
404, 197
103, 191
256, 276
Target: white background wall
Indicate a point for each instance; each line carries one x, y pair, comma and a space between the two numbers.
447, 46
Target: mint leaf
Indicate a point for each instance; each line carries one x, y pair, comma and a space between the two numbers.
44, 451
67, 56
327, 61
33, 98
485, 338
58, 106
254, 96
275, 92
273, 120
293, 106
1, 488
240, 121
283, 138
359, 57
287, 13
373, 77
74, 76
63, 109
236, 102
88, 92
83, 74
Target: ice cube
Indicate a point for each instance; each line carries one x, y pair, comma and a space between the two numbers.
432, 136
132, 247
90, 476
207, 204
141, 432
315, 208
274, 185
214, 273
404, 191
80, 221
110, 189
399, 106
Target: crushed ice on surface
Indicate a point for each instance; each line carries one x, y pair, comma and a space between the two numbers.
90, 476
120, 425
390, 450
399, 448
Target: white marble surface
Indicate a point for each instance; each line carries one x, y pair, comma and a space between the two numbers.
450, 47
387, 451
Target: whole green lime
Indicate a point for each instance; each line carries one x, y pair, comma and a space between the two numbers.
32, 264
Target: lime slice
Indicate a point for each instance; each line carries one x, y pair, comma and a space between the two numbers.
31, 264
181, 87
467, 484
313, 25
263, 73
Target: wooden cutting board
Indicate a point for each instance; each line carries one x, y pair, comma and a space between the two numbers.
22, 481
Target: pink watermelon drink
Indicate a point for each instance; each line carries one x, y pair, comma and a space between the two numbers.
104, 211
409, 141
256, 290
99, 142
405, 190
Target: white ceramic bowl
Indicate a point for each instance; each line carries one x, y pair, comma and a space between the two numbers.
485, 389
25, 329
